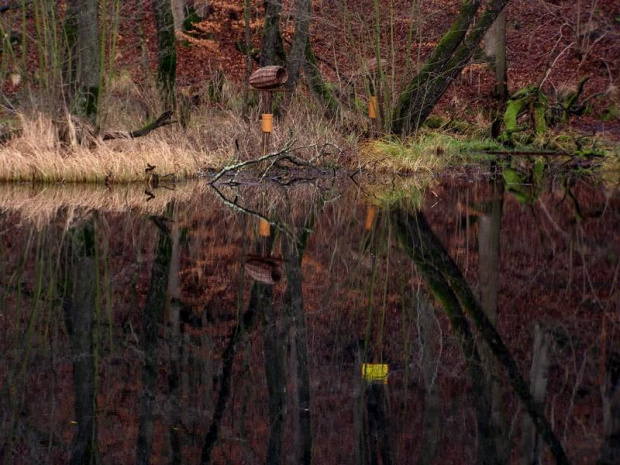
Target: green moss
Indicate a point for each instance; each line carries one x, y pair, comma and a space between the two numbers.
434, 122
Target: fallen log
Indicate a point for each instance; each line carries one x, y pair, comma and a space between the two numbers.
163, 120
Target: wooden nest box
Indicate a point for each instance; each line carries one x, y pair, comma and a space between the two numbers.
268, 77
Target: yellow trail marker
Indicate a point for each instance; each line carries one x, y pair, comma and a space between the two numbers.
264, 228
375, 372
373, 106
267, 122
370, 216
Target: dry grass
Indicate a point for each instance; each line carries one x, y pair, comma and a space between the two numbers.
214, 136
40, 204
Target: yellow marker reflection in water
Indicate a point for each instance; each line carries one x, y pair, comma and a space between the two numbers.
375, 372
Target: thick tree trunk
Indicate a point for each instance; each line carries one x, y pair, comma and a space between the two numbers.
297, 55
446, 62
81, 29
153, 315
317, 85
451, 289
294, 311
166, 52
271, 45
79, 308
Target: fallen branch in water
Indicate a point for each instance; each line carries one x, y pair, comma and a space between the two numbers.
282, 155
227, 169
163, 120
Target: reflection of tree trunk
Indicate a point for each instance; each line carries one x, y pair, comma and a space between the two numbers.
488, 271
79, 309
275, 348
432, 398
294, 308
610, 450
153, 314
258, 299
175, 340
531, 447
451, 289
442, 291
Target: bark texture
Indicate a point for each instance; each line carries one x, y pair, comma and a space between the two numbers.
450, 56
81, 30
166, 52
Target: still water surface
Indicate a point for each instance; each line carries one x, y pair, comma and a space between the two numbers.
324, 322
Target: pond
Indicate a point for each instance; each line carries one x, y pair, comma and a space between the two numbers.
399, 321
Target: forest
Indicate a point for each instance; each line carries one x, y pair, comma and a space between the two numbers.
382, 80
370, 232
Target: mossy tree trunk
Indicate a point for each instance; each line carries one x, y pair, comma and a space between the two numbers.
81, 31
450, 56
448, 285
271, 45
321, 90
166, 52
297, 56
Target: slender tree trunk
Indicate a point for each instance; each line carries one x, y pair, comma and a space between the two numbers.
610, 450
297, 55
79, 308
488, 271
81, 29
175, 341
450, 56
275, 354
501, 73
432, 399
166, 52
531, 445
178, 13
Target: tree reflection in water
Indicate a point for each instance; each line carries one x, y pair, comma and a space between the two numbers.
225, 346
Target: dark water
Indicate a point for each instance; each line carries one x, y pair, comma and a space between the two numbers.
370, 323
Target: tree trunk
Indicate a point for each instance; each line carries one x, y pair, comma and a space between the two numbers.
531, 446
166, 52
178, 13
81, 29
294, 311
79, 308
489, 229
271, 45
153, 315
297, 55
451, 289
610, 450
501, 73
446, 62
317, 85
